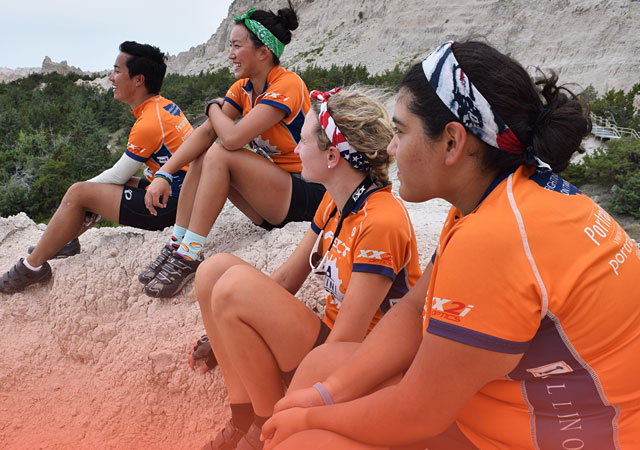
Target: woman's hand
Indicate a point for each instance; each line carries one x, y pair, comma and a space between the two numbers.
282, 425
302, 398
158, 190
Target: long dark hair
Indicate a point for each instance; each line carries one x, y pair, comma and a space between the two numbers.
558, 131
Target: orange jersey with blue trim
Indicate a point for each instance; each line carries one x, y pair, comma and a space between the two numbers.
159, 130
376, 237
538, 268
283, 90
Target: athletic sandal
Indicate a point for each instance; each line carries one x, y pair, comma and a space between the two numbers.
227, 439
251, 440
202, 350
153, 269
70, 248
19, 277
173, 275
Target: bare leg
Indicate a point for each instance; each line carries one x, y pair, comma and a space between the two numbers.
257, 330
188, 191
66, 223
263, 185
320, 440
322, 362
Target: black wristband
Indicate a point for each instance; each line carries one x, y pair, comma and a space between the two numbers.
208, 104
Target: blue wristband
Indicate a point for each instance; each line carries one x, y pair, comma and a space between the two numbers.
326, 397
162, 174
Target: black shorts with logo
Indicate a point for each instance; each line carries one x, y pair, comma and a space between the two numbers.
134, 213
305, 198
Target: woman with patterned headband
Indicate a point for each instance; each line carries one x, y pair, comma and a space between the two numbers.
265, 182
361, 242
528, 335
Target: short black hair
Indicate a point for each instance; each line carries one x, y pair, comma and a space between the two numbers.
146, 60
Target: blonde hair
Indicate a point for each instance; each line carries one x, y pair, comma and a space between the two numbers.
365, 123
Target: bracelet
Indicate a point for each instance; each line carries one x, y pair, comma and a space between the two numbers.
208, 104
326, 397
164, 175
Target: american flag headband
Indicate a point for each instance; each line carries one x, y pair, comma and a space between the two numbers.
458, 93
332, 131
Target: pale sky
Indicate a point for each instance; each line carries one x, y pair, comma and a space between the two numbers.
87, 33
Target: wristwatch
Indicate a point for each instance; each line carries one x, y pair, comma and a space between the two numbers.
209, 103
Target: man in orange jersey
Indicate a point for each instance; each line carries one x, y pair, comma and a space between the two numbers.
116, 193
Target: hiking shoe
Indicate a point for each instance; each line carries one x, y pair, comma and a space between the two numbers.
174, 274
251, 440
70, 248
227, 439
19, 277
153, 269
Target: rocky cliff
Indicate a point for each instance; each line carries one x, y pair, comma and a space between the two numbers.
48, 65
586, 41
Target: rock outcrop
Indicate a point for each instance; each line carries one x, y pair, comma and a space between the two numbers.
87, 360
585, 41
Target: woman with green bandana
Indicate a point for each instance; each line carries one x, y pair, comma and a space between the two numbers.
264, 182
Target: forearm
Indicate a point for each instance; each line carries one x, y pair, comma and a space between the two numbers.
386, 417
198, 143
227, 129
120, 173
386, 352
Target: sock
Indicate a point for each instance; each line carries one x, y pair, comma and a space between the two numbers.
242, 415
177, 236
29, 266
259, 420
191, 245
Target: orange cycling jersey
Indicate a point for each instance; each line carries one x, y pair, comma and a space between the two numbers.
159, 130
539, 269
283, 90
376, 237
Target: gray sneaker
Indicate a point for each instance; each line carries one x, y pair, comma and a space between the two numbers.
227, 439
251, 440
173, 275
19, 277
153, 269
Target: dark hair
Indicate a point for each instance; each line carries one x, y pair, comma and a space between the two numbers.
516, 98
280, 25
146, 60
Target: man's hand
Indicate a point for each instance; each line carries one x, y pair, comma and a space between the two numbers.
158, 190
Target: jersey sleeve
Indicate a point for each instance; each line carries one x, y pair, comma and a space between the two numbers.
234, 95
286, 94
322, 213
145, 138
384, 243
484, 292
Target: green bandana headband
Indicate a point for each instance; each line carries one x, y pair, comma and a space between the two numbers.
265, 36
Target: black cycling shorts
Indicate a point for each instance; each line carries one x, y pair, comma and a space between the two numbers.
305, 198
134, 213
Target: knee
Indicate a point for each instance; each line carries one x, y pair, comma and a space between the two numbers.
216, 155
76, 194
227, 296
210, 271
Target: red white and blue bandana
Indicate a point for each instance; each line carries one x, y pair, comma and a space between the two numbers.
462, 98
332, 131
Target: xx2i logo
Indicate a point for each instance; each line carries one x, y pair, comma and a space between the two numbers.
448, 309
